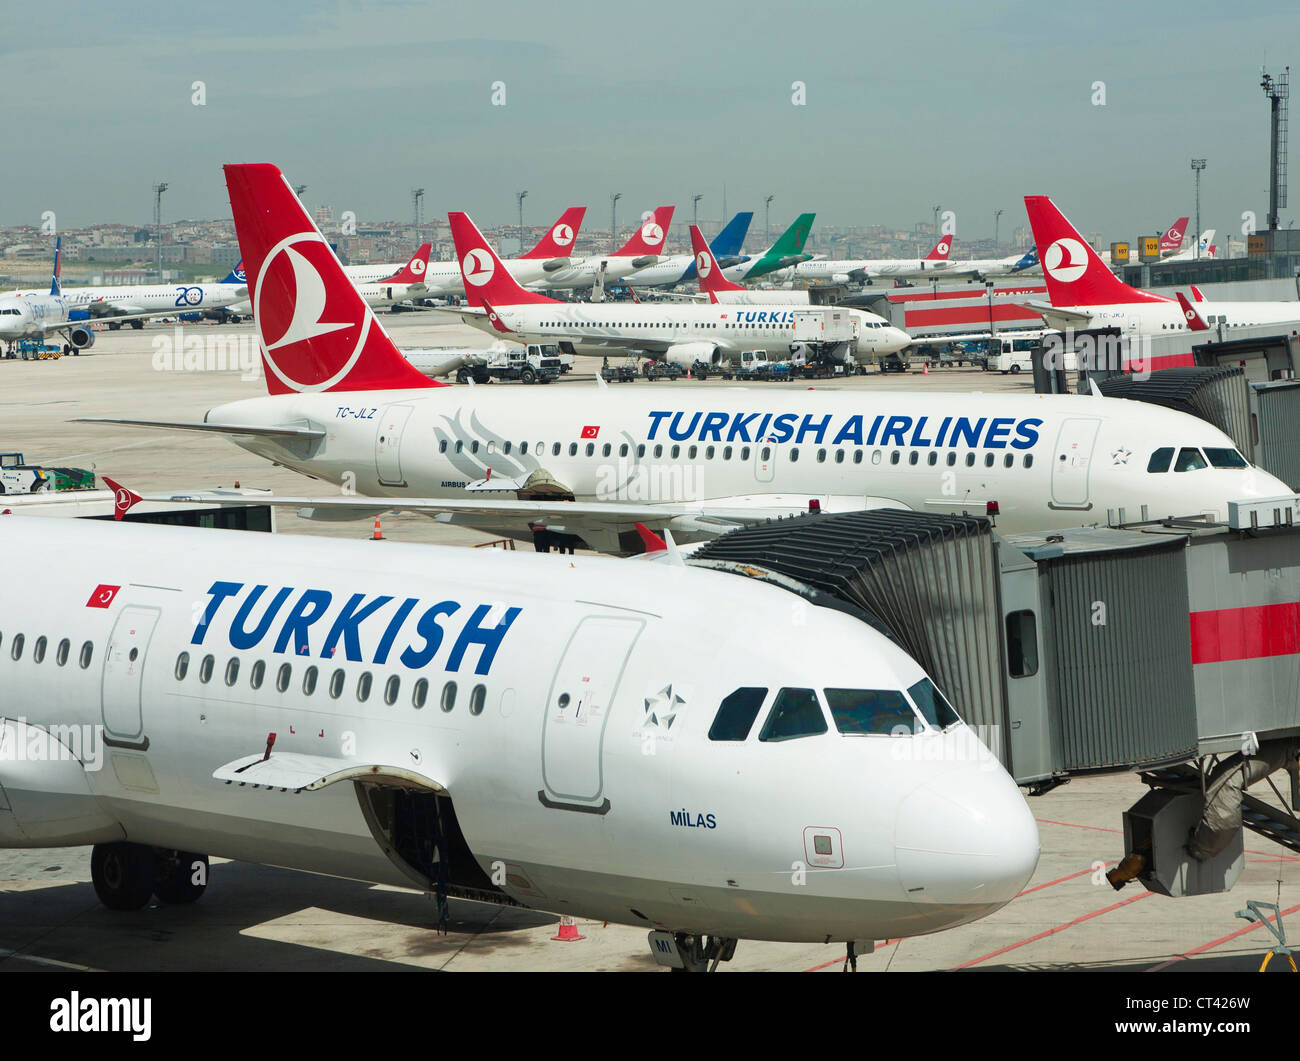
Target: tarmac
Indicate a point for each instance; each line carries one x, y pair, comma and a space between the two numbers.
264, 918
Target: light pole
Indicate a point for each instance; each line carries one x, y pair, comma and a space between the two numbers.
1198, 164
695, 208
996, 215
613, 225
417, 202
519, 198
158, 190
936, 208
767, 219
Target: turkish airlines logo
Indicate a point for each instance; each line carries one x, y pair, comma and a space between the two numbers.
103, 596
295, 264
652, 232
1066, 260
1174, 235
943, 246
562, 235
417, 266
477, 267
1190, 314
703, 264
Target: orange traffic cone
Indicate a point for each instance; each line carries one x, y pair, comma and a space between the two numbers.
378, 535
568, 931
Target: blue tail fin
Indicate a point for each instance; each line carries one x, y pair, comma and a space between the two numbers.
727, 243
1028, 261
56, 285
236, 275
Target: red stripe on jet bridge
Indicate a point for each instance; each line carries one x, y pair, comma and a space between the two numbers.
966, 292
1245, 633
976, 314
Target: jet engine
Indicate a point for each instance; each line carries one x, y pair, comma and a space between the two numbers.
686, 354
81, 338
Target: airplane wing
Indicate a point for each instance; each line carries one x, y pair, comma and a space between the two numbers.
1058, 316
59, 326
298, 772
288, 431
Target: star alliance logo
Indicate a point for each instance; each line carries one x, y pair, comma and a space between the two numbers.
662, 708
1121, 455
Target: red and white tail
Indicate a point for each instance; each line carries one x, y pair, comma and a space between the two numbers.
706, 268
650, 237
1197, 294
1194, 320
316, 331
560, 237
414, 271
486, 279
1173, 238
941, 250
1075, 273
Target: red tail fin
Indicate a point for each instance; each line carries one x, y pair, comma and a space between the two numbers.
706, 268
1197, 294
559, 240
1173, 238
1075, 273
486, 279
412, 272
941, 250
316, 332
124, 498
1194, 320
650, 237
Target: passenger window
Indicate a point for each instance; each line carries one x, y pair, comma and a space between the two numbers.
16, 647
460, 445
877, 711
364, 684
573, 449
690, 453
821, 456
448, 700
477, 699
708, 453
61, 653
839, 456
744, 453
38, 650
930, 702
1022, 644
1225, 458
1160, 459
932, 459
473, 446
232, 671
796, 713
1189, 460
765, 454
913, 457
391, 690
1008, 460
736, 714
555, 449
1029, 460
675, 452
258, 674
182, 666
309, 681
893, 457
989, 459
875, 456
726, 453
970, 460
283, 676
205, 669
420, 693
857, 456
442, 446
622, 450
952, 459
640, 449
336, 684
591, 448
506, 447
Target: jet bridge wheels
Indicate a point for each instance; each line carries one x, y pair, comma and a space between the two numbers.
126, 876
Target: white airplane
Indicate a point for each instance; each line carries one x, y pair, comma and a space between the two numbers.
409, 282
859, 270
1084, 293
474, 724
680, 268
681, 333
643, 249
715, 286
1204, 245
442, 279
788, 250
36, 316
345, 407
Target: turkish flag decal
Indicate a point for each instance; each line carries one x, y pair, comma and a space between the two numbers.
590, 432
103, 596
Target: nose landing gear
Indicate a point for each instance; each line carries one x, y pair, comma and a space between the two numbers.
686, 953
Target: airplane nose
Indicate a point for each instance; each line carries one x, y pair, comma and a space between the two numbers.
966, 838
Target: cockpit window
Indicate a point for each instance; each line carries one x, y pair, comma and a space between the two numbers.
1225, 458
796, 713
930, 702
736, 716
1160, 459
872, 711
1189, 460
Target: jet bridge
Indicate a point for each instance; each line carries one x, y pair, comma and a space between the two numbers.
1171, 648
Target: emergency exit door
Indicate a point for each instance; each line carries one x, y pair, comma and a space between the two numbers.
1071, 460
388, 444
582, 692
122, 683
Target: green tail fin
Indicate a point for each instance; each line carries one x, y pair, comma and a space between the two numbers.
794, 237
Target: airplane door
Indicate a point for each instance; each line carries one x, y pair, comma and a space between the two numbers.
764, 462
388, 444
1070, 462
577, 712
120, 688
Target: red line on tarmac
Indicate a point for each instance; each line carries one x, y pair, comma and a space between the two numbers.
1211, 945
1072, 825
1052, 931
1062, 880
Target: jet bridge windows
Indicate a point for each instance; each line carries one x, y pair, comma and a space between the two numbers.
933, 707
1022, 643
881, 712
736, 714
795, 713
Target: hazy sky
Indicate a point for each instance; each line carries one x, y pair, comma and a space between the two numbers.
968, 105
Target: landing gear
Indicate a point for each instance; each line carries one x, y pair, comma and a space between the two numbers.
123, 874
686, 953
126, 876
